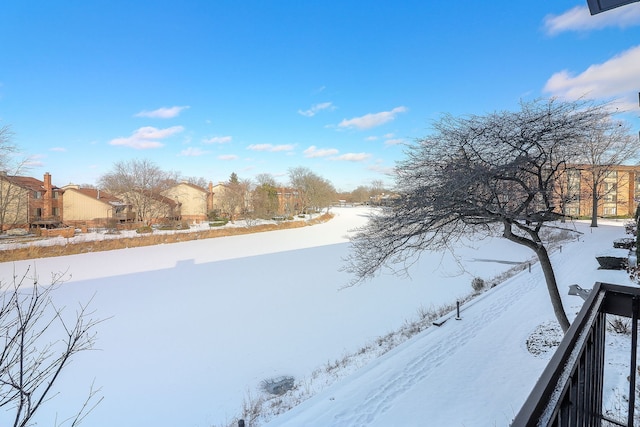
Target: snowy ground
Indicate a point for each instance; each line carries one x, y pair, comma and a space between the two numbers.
193, 329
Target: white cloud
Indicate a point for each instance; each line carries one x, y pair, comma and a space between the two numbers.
353, 157
192, 152
384, 170
217, 140
316, 108
616, 78
270, 147
228, 157
146, 137
579, 19
394, 141
34, 161
162, 113
371, 120
313, 152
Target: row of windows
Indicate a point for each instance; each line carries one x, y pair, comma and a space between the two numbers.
55, 212
38, 195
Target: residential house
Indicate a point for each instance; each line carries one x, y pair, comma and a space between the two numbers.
27, 202
218, 193
195, 201
152, 208
230, 200
289, 201
93, 208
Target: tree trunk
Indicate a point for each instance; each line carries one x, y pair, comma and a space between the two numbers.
552, 287
594, 205
547, 269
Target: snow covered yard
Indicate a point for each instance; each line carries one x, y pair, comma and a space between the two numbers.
194, 328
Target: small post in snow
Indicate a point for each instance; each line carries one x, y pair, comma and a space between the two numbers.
240, 423
529, 267
458, 310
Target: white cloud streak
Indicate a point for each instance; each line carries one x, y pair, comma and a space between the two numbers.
270, 147
317, 108
371, 120
218, 140
228, 157
394, 141
192, 152
314, 152
616, 79
146, 137
353, 157
579, 19
162, 113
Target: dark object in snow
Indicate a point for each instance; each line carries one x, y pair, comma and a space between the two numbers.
577, 290
624, 243
278, 385
612, 262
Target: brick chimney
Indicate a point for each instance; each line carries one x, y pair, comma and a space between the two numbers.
47, 208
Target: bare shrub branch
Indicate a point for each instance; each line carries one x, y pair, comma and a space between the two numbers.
39, 341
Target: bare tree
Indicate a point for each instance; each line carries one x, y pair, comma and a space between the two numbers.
361, 194
234, 199
377, 187
314, 192
265, 196
13, 199
196, 180
33, 359
140, 183
608, 144
477, 176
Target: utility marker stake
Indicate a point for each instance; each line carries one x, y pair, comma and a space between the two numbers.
458, 310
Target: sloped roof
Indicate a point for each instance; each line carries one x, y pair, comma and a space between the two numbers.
159, 198
101, 195
194, 186
27, 182
162, 199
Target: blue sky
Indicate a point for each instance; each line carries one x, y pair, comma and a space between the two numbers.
207, 88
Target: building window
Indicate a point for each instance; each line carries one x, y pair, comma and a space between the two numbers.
610, 187
56, 211
37, 194
38, 212
55, 195
573, 211
609, 210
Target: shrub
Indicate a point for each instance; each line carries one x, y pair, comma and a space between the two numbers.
218, 222
620, 325
145, 229
477, 284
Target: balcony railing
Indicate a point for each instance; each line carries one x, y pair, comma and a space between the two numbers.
45, 220
570, 391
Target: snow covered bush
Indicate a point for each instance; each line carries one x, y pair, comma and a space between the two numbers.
477, 284
620, 325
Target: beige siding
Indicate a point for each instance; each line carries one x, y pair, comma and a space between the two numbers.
79, 207
192, 199
218, 196
15, 204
